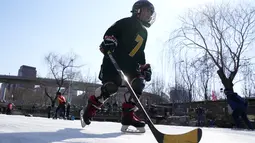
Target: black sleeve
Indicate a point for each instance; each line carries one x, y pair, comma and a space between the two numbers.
235, 97
142, 60
115, 29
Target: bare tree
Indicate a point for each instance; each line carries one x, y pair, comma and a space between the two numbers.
225, 33
62, 68
157, 85
178, 94
25, 95
87, 78
205, 70
248, 76
253, 82
188, 74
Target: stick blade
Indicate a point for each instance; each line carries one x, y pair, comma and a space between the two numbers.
193, 136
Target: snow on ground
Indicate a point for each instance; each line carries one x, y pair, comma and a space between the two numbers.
21, 129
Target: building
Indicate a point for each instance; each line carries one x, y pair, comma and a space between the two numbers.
28, 72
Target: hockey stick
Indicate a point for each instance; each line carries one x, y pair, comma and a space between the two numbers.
193, 136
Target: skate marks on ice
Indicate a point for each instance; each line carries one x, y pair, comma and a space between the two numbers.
60, 136
20, 129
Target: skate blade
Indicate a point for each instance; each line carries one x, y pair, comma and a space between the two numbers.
125, 129
83, 124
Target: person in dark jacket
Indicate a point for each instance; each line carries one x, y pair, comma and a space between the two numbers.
200, 116
49, 111
239, 108
68, 110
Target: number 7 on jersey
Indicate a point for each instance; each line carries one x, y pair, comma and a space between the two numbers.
139, 40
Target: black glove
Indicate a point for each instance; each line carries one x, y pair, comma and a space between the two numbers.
109, 44
146, 71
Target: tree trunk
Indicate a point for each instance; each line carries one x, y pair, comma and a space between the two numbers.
190, 96
52, 103
227, 83
206, 96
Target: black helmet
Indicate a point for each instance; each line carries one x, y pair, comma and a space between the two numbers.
136, 10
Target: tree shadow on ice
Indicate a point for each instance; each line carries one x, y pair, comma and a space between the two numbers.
58, 136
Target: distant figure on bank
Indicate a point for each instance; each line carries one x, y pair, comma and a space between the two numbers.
9, 108
68, 111
200, 116
49, 111
61, 105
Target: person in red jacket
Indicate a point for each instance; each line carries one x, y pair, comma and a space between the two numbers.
61, 105
9, 108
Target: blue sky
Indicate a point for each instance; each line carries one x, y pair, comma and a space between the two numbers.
29, 29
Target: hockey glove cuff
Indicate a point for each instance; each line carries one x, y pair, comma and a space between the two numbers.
109, 44
146, 71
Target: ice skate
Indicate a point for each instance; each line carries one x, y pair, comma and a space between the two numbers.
129, 120
87, 113
127, 129
83, 124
